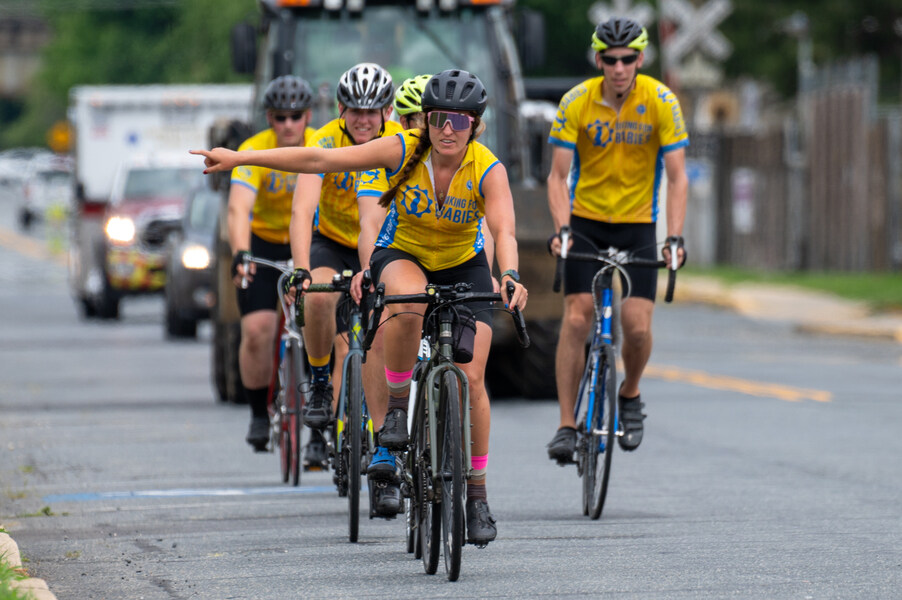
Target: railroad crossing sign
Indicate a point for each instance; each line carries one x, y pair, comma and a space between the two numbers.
641, 13
695, 28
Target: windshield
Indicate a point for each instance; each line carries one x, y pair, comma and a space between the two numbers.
203, 214
394, 37
161, 182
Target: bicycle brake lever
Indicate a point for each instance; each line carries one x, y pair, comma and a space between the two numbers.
245, 262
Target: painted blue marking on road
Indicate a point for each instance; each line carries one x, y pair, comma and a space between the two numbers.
188, 493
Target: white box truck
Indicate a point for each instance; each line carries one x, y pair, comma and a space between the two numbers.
132, 176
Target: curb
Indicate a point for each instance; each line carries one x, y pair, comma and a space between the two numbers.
32, 587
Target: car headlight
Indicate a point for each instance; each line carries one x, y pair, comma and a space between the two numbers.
195, 257
120, 229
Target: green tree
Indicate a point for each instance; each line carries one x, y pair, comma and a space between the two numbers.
186, 41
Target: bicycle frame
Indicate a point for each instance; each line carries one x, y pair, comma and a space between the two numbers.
438, 363
355, 347
603, 334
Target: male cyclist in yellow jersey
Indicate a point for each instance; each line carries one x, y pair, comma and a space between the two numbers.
258, 216
614, 136
325, 225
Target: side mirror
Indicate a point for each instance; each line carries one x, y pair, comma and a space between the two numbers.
244, 48
531, 38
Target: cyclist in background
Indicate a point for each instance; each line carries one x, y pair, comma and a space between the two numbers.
442, 184
612, 136
258, 214
324, 228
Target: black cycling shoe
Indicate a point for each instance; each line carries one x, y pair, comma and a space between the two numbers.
386, 499
315, 456
563, 445
393, 434
631, 417
318, 409
480, 522
258, 433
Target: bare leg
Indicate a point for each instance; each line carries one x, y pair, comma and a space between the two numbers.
570, 357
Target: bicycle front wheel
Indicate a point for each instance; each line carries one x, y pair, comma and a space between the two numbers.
295, 401
452, 475
429, 522
353, 436
604, 431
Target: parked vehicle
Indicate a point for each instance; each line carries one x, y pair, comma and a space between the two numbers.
120, 222
189, 266
47, 191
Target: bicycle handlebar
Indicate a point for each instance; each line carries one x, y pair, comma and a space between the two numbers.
619, 259
439, 294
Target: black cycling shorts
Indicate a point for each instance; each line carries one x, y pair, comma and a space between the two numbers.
261, 293
638, 238
326, 252
475, 271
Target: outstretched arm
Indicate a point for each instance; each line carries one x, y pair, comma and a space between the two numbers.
379, 153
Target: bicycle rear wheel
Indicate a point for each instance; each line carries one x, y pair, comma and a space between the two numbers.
452, 475
353, 436
430, 518
604, 433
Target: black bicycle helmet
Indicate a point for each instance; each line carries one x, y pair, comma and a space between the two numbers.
455, 90
287, 92
618, 32
365, 86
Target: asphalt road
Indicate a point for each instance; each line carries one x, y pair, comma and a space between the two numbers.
769, 470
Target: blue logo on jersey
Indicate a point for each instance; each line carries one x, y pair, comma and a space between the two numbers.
601, 133
559, 122
367, 177
415, 200
665, 95
641, 109
343, 181
470, 185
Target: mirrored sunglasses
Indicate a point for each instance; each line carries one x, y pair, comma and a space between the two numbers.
459, 122
293, 116
626, 60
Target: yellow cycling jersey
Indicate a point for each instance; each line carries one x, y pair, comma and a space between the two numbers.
438, 238
274, 189
618, 159
337, 216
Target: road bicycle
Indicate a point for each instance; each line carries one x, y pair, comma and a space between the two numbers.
436, 463
290, 383
596, 410
352, 444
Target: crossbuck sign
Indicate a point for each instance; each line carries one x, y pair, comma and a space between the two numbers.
695, 28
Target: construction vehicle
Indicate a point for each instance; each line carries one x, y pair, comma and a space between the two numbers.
320, 39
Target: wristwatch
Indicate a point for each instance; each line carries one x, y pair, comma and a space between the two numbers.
512, 273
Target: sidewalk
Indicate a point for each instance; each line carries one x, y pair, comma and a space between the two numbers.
809, 311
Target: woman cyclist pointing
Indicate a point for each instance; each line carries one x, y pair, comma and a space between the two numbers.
442, 183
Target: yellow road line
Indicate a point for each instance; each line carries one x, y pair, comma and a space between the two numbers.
29, 247
734, 384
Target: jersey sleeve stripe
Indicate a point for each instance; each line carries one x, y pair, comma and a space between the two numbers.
245, 184
556, 142
675, 146
369, 194
395, 171
481, 179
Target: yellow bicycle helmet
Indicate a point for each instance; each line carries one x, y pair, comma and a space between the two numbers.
618, 32
409, 95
